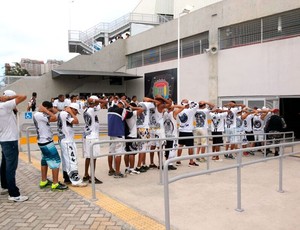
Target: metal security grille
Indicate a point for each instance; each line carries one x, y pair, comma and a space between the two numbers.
278, 26
194, 45
188, 46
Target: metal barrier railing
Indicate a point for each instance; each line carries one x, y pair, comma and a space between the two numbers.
287, 141
287, 138
30, 131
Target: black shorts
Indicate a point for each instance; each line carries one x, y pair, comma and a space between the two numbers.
217, 140
186, 142
250, 137
131, 146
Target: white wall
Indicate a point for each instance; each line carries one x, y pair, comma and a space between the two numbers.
270, 68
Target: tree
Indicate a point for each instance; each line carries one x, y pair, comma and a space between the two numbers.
15, 70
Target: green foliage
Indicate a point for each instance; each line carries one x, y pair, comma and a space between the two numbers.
15, 70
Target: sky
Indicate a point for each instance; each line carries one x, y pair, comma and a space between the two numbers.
38, 29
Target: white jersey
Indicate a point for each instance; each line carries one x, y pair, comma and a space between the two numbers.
60, 105
67, 101
201, 118
143, 120
8, 121
43, 129
65, 126
170, 124
159, 119
131, 123
239, 124
92, 125
258, 123
217, 121
247, 122
186, 118
230, 121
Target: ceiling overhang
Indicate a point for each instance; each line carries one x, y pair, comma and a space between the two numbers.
86, 73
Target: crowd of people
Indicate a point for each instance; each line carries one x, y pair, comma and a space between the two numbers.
170, 125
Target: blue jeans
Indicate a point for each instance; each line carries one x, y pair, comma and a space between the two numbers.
9, 164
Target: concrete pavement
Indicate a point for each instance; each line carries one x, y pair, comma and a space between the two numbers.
137, 202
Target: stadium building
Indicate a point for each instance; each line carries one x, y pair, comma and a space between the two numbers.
239, 50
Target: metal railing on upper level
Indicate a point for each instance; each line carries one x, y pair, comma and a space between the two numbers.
102, 28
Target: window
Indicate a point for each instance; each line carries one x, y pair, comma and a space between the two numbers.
151, 56
273, 27
135, 60
169, 51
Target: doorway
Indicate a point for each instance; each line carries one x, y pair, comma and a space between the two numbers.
290, 110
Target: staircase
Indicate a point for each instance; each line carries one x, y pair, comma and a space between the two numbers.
91, 40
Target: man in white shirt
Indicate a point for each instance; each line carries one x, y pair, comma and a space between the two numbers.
217, 129
60, 103
201, 126
50, 156
143, 129
91, 134
9, 136
230, 126
186, 127
65, 122
171, 130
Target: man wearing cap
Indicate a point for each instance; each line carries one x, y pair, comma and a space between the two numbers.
9, 143
91, 133
116, 130
65, 122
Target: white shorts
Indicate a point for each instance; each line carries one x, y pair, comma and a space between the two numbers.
201, 132
232, 138
258, 135
158, 134
87, 143
117, 147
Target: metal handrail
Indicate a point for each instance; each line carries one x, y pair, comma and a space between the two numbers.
87, 37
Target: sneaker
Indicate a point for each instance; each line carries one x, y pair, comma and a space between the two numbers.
145, 167
214, 158
226, 155
17, 198
193, 164
45, 184
276, 154
178, 163
218, 159
119, 175
97, 181
127, 171
268, 151
252, 153
80, 184
86, 178
141, 169
246, 154
58, 187
152, 166
171, 167
111, 172
202, 160
230, 156
4, 191
133, 172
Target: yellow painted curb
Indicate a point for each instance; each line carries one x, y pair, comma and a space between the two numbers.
122, 211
